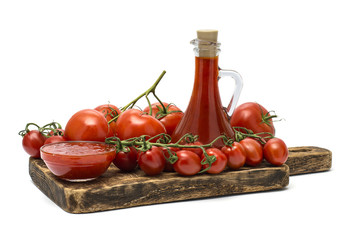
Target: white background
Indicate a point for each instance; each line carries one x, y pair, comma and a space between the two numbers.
299, 58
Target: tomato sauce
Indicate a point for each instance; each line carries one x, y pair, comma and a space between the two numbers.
78, 160
205, 116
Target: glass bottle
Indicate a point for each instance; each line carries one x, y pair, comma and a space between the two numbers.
205, 115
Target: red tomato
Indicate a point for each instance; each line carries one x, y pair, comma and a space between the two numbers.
275, 151
171, 120
188, 163
220, 164
236, 155
197, 151
57, 132
134, 123
152, 162
126, 161
254, 154
253, 117
32, 142
109, 111
54, 139
168, 166
87, 125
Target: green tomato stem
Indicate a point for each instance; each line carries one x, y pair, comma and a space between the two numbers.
239, 135
146, 93
161, 103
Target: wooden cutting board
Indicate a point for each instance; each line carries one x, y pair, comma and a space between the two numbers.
114, 189
303, 160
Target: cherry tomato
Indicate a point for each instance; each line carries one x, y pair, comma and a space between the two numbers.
134, 123
32, 142
109, 111
171, 120
57, 132
254, 153
152, 162
126, 161
168, 166
197, 151
275, 151
220, 164
87, 125
253, 117
236, 155
54, 139
188, 163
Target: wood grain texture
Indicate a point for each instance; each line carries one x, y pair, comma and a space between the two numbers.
114, 189
303, 160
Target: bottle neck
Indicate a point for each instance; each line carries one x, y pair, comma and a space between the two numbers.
206, 71
205, 88
203, 48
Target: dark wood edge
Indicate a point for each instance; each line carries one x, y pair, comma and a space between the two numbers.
302, 160
170, 187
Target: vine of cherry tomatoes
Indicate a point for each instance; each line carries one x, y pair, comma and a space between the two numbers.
143, 138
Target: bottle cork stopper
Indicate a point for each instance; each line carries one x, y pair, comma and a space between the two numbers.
207, 48
207, 35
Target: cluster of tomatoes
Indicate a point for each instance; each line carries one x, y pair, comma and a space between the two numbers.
107, 122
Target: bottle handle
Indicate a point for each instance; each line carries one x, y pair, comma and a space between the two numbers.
237, 91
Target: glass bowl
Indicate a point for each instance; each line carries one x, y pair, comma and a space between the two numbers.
78, 161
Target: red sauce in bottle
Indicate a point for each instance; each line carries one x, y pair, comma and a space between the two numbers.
205, 116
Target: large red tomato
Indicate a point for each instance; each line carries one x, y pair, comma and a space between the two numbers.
134, 123
86, 125
171, 120
109, 111
253, 117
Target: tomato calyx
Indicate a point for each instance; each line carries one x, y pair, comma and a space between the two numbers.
113, 113
164, 110
267, 117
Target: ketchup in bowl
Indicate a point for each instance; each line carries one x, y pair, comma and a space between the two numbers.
78, 161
